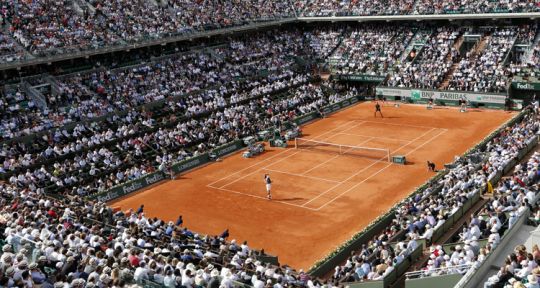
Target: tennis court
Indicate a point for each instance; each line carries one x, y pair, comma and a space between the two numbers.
324, 170
322, 193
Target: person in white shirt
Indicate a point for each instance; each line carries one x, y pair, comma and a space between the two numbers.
141, 273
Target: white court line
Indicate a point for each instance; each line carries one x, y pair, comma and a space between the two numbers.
364, 169
260, 197
374, 137
275, 162
431, 139
264, 160
322, 163
382, 169
300, 175
403, 125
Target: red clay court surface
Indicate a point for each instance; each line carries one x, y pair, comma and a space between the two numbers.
320, 199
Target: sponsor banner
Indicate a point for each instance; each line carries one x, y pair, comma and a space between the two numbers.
306, 118
362, 78
331, 108
190, 163
345, 103
128, 187
442, 95
526, 86
340, 105
228, 148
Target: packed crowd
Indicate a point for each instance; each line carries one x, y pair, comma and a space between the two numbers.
58, 26
427, 67
64, 26
525, 63
324, 41
512, 197
482, 68
520, 270
520, 190
189, 131
97, 93
418, 217
315, 8
474, 6
74, 243
83, 162
9, 51
371, 49
52, 27
357, 8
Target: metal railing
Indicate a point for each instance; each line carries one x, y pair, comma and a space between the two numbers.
438, 271
32, 249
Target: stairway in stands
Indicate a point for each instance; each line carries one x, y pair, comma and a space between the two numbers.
477, 50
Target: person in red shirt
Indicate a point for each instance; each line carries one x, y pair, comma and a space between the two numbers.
52, 213
133, 259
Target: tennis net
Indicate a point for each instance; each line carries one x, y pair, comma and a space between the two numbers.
358, 151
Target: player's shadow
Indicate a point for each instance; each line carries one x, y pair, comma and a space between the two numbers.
288, 199
391, 117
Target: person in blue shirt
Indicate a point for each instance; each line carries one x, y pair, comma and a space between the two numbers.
179, 221
225, 234
169, 230
37, 276
140, 210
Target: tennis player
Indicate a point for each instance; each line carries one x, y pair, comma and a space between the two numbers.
463, 104
268, 183
378, 109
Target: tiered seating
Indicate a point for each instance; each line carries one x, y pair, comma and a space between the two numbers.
429, 67
482, 69
371, 50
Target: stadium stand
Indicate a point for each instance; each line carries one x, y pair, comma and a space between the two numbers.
51, 242
116, 248
369, 8
370, 50
66, 137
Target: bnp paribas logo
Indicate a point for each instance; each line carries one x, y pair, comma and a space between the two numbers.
416, 94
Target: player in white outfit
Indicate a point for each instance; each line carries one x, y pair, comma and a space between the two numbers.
268, 183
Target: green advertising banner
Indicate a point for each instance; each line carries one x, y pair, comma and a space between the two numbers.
228, 148
306, 118
535, 86
128, 187
190, 163
362, 78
